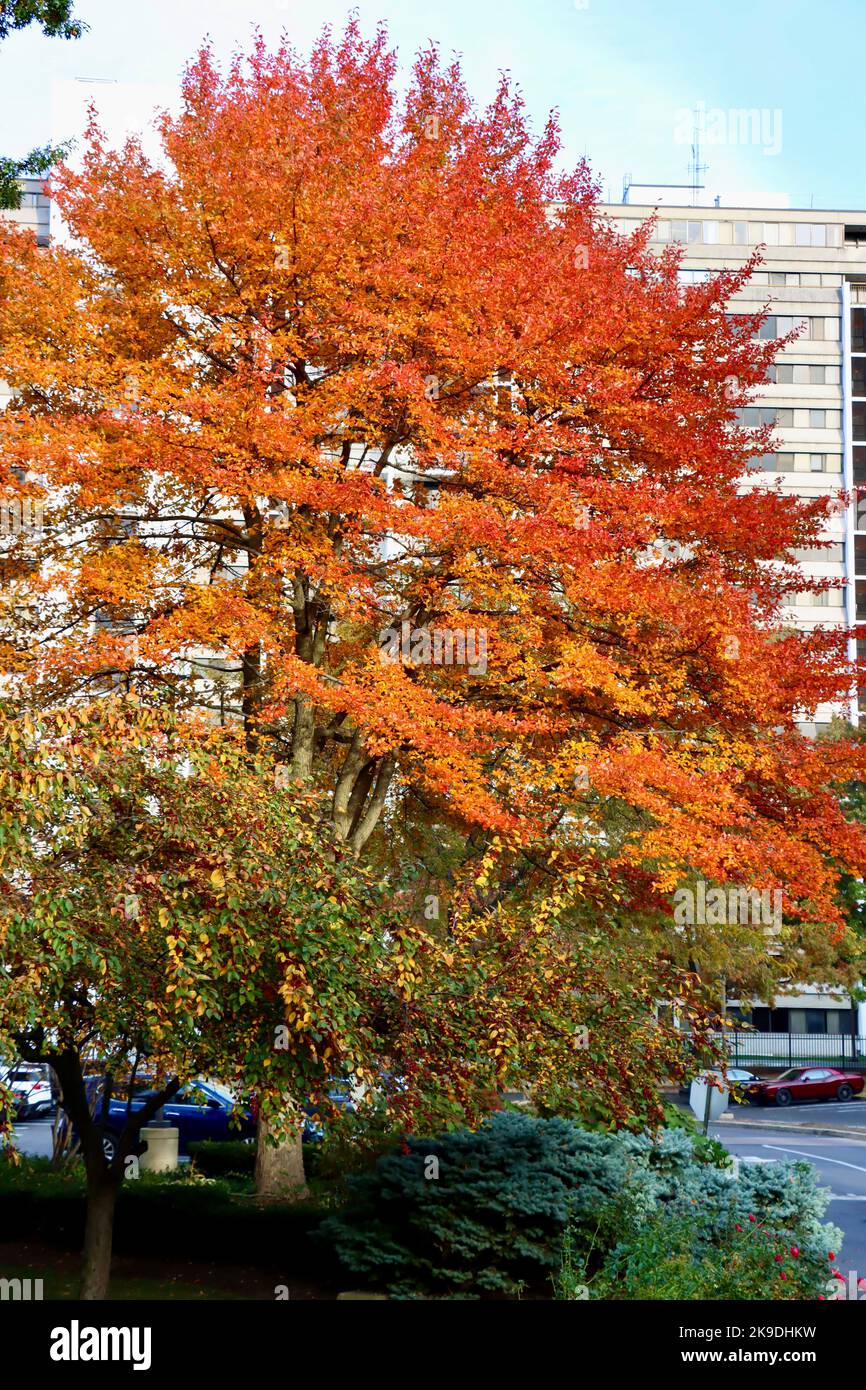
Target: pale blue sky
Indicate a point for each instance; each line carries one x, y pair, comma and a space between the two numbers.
621, 73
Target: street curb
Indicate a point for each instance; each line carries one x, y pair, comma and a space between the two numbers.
857, 1135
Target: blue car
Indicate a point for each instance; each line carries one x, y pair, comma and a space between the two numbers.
198, 1111
202, 1111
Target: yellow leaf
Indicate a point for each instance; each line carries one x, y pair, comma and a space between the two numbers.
218, 878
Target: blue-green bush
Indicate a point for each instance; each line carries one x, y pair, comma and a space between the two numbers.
472, 1213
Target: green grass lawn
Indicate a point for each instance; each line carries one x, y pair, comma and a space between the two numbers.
136, 1279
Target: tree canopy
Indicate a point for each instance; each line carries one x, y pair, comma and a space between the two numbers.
355, 375
57, 21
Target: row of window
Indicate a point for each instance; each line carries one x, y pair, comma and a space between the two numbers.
833, 554
804, 374
787, 417
766, 1020
792, 279
814, 598
797, 463
714, 232
818, 329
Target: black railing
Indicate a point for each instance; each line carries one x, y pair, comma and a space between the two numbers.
746, 1048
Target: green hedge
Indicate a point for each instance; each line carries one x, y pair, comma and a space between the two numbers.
166, 1216
216, 1158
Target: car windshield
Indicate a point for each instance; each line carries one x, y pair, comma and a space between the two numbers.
791, 1075
222, 1092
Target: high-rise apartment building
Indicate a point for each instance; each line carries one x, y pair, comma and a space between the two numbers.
813, 276
34, 212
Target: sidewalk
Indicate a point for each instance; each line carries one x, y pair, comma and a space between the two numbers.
730, 1121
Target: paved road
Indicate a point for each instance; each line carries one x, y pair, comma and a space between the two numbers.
829, 1114
839, 1163
34, 1138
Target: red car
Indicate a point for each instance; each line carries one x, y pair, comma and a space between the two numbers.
807, 1083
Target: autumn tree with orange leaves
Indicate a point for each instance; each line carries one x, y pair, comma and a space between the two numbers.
355, 422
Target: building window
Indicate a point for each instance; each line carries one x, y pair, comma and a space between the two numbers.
858, 376
753, 416
825, 419
858, 330
808, 598
810, 234
741, 233
773, 463
686, 231
803, 374
711, 232
831, 554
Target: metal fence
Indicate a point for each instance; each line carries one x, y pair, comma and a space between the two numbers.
789, 1049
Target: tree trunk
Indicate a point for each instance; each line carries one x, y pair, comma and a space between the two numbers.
280, 1168
96, 1257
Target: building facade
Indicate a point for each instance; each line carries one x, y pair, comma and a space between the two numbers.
35, 213
813, 277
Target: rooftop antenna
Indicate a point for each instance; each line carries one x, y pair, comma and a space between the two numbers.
626, 185
696, 168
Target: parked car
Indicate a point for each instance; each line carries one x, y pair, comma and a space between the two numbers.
204, 1110
739, 1083
30, 1084
807, 1083
200, 1110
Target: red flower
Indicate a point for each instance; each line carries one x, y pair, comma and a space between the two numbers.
795, 1250
752, 1218
830, 1255
782, 1274
778, 1259
739, 1227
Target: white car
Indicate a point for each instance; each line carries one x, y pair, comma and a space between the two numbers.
30, 1084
